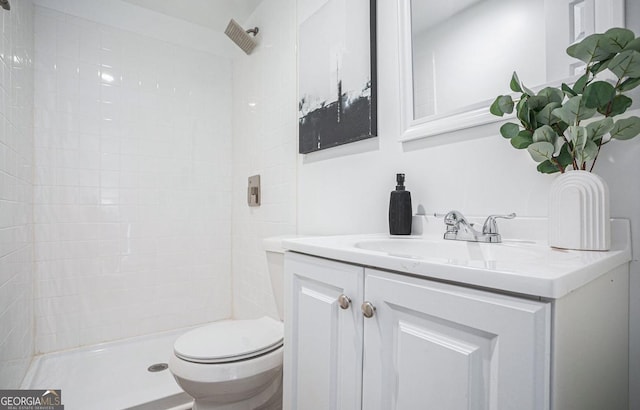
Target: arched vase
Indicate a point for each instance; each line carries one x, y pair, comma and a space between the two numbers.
579, 212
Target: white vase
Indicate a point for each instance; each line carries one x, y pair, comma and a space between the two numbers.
579, 212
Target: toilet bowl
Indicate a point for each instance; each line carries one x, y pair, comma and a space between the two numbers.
232, 364
235, 364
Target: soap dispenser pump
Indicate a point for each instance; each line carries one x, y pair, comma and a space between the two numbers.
400, 213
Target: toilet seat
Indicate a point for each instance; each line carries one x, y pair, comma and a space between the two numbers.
230, 341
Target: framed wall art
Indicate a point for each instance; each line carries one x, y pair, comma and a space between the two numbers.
337, 72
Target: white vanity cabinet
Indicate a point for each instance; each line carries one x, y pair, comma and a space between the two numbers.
457, 325
431, 345
323, 354
428, 345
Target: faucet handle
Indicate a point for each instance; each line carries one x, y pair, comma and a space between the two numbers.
453, 219
490, 226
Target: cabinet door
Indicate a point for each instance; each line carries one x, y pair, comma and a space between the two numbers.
431, 345
323, 341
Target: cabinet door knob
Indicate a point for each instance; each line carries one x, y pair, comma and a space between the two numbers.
368, 309
344, 302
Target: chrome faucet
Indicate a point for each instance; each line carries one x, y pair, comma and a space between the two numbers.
459, 229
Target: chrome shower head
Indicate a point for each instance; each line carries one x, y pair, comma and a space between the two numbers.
241, 37
5, 4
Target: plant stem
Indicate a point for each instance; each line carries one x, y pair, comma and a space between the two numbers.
606, 114
560, 167
593, 164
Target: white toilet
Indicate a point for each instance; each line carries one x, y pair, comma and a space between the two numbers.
236, 364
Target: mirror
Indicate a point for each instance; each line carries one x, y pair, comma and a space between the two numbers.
458, 55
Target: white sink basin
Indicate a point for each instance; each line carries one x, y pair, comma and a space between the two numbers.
450, 251
525, 266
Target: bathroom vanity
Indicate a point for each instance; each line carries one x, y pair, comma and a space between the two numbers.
377, 322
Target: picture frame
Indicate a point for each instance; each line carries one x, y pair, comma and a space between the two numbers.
337, 73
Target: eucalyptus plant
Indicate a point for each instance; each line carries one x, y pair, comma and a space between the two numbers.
565, 128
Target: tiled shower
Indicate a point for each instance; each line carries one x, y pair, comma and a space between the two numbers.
132, 184
16, 193
123, 164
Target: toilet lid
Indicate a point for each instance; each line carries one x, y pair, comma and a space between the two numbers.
230, 340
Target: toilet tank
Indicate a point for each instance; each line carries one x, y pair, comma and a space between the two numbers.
275, 261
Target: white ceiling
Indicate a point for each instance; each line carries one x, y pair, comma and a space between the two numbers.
212, 14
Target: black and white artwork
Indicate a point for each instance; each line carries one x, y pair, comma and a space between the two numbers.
337, 72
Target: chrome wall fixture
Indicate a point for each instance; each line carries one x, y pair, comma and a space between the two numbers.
5, 4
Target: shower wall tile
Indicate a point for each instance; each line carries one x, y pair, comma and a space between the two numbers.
132, 198
265, 142
16, 193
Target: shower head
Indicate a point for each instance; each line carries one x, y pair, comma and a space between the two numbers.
5, 4
241, 37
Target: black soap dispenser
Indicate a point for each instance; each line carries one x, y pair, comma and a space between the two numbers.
400, 213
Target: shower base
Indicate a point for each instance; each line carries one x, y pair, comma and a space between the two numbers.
112, 375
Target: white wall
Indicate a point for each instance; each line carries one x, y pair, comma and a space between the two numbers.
16, 193
265, 143
346, 189
132, 181
629, 205
139, 20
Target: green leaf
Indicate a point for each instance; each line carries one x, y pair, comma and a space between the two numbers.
495, 107
619, 105
560, 127
618, 39
626, 128
515, 83
585, 112
629, 84
522, 140
599, 66
568, 91
558, 143
503, 104
509, 130
633, 45
578, 87
541, 151
626, 64
565, 158
537, 103
573, 111
547, 167
545, 133
587, 153
545, 116
522, 112
545, 96
552, 94
578, 136
599, 128
598, 94
591, 48
532, 119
